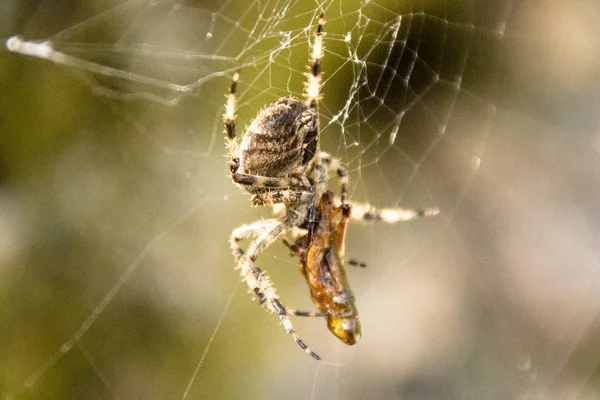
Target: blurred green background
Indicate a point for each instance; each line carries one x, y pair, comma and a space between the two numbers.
129, 198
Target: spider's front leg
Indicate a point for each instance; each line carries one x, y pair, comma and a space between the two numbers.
266, 232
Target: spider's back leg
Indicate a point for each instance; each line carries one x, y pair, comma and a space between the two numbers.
314, 76
229, 119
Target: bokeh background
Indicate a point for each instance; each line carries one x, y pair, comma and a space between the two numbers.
115, 212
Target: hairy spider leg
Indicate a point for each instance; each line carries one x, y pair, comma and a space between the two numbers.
333, 164
259, 283
367, 212
313, 87
312, 94
283, 196
229, 119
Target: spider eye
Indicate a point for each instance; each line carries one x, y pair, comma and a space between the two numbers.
346, 329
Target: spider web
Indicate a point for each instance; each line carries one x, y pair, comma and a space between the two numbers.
116, 205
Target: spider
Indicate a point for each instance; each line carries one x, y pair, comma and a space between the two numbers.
279, 163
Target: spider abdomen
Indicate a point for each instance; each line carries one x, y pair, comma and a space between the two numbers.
281, 140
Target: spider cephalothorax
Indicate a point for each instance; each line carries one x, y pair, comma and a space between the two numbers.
280, 163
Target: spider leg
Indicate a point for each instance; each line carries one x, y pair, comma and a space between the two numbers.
256, 182
267, 232
281, 196
314, 76
274, 190
229, 119
312, 314
245, 231
256, 279
333, 164
356, 263
366, 212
